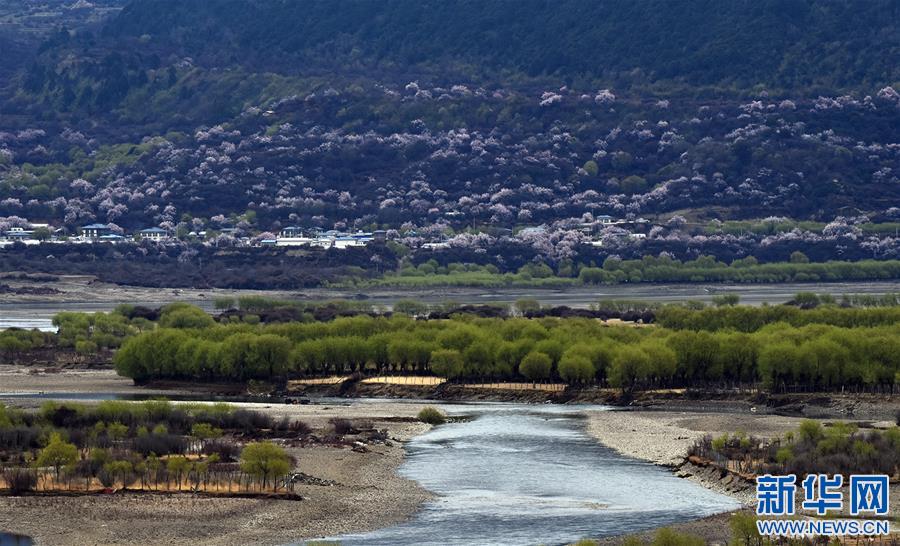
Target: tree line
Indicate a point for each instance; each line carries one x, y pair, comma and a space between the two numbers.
778, 355
750, 319
745, 270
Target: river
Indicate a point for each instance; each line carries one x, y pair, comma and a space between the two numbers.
38, 314
516, 474
7, 539
520, 474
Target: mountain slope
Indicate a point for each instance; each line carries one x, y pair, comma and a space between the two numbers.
836, 44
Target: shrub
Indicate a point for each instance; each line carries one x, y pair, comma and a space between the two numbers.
300, 428
20, 480
226, 450
669, 537
743, 528
160, 444
432, 416
341, 426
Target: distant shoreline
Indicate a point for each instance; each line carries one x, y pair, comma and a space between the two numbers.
85, 293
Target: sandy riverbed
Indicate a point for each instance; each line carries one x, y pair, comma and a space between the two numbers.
22, 379
664, 437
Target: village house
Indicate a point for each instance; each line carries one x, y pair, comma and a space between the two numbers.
17, 234
95, 231
292, 232
605, 219
154, 234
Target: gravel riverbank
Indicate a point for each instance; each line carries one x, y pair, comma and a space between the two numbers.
663, 438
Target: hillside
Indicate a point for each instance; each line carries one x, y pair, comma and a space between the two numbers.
457, 113
779, 44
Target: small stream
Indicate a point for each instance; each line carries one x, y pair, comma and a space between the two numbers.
519, 474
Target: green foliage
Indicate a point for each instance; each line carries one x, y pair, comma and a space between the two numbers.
536, 366
670, 537
576, 368
224, 302
628, 367
205, 431
431, 416
178, 315
752, 319
265, 460
706, 269
726, 299
447, 363
810, 431
837, 449
743, 529
57, 454
798, 257
829, 348
527, 305
411, 308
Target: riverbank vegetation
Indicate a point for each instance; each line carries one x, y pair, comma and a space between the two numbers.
649, 269
838, 448
822, 349
150, 446
815, 343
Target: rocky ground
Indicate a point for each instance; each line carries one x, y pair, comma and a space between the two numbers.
664, 438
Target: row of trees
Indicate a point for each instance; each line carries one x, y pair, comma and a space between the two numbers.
778, 355
66, 446
707, 269
750, 319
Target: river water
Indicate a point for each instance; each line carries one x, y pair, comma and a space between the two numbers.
8, 539
518, 474
31, 314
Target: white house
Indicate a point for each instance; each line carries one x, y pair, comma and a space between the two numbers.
95, 231
291, 232
154, 234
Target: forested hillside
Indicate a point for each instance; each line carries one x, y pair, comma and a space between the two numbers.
442, 116
781, 44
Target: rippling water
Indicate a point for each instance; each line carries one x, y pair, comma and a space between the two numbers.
531, 475
42, 324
